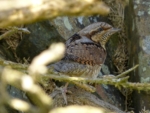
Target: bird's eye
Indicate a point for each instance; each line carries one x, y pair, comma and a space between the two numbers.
100, 29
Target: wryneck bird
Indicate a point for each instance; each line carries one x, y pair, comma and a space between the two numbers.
85, 52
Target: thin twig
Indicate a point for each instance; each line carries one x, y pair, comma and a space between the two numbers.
126, 72
109, 80
13, 65
8, 34
104, 80
12, 31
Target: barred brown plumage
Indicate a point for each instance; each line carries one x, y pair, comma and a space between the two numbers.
85, 51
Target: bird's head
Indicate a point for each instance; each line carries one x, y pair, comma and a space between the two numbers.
99, 32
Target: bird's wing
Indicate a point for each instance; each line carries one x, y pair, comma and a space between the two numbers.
83, 50
69, 68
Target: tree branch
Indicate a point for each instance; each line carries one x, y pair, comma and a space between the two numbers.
28, 11
25, 83
13, 65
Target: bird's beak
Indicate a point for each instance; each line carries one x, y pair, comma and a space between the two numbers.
114, 30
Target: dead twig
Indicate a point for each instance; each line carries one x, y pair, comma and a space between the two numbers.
12, 31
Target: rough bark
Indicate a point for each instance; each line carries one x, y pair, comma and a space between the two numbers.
139, 26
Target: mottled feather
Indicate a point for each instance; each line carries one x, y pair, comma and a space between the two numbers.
84, 51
